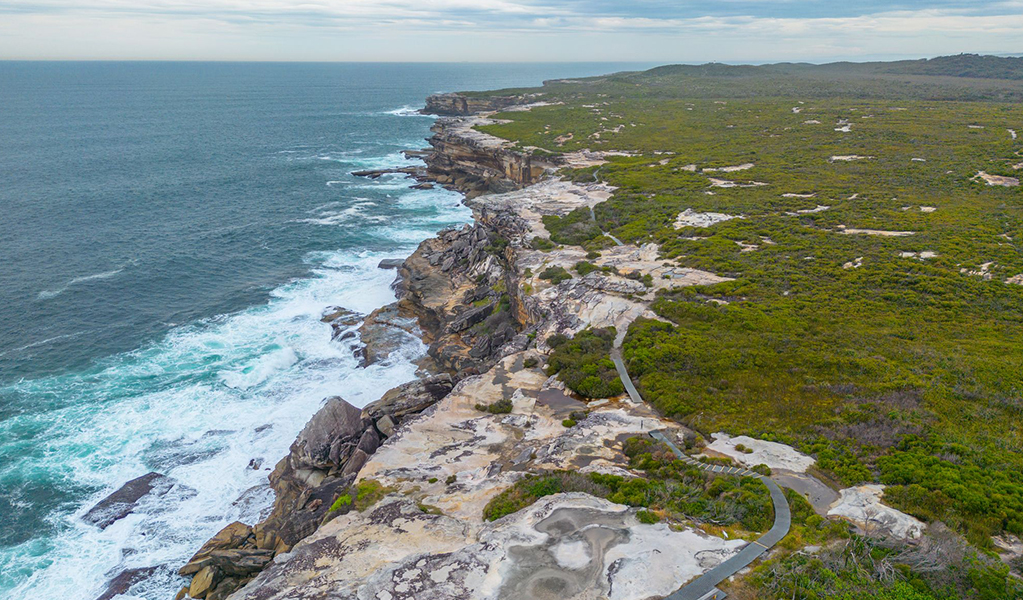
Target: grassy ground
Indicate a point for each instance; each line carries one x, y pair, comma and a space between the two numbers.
885, 365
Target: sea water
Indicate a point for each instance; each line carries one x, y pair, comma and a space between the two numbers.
170, 236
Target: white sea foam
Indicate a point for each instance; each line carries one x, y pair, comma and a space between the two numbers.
271, 364
196, 405
407, 111
46, 295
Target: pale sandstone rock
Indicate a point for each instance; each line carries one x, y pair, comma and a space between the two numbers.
691, 218
862, 506
996, 179
564, 546
772, 454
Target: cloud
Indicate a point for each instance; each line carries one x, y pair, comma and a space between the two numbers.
682, 30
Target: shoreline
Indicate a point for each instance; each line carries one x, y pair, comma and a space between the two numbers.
475, 294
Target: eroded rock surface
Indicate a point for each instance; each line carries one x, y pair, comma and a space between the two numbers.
564, 546
759, 452
862, 506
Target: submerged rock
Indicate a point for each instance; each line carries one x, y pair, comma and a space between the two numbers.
121, 503
123, 581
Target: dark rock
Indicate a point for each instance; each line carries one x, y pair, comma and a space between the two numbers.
423, 186
471, 317
410, 398
337, 419
384, 331
377, 173
240, 561
370, 441
391, 263
341, 321
124, 580
356, 462
120, 504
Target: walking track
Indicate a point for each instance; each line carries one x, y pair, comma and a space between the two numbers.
704, 586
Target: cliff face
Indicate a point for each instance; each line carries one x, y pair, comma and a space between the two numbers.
476, 163
450, 105
476, 296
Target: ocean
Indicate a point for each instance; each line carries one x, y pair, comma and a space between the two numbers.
170, 235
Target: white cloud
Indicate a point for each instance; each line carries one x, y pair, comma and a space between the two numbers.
482, 30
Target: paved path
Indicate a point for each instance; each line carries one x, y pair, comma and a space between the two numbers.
703, 587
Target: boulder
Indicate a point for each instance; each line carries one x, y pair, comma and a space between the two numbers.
337, 419
232, 536
341, 320
122, 502
202, 582
384, 331
385, 425
410, 398
240, 561
391, 263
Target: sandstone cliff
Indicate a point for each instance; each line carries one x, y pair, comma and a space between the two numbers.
461, 105
385, 502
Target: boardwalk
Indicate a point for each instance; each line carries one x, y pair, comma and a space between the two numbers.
703, 587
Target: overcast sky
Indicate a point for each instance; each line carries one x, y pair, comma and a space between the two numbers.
506, 30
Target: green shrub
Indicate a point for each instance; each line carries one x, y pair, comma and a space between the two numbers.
343, 501
647, 517
498, 407
555, 275
574, 229
542, 244
568, 423
530, 362
584, 268
584, 364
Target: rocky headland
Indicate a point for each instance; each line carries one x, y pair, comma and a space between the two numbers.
387, 501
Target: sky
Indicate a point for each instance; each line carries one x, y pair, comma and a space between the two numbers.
736, 31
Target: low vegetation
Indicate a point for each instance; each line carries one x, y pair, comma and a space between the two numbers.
582, 362
895, 359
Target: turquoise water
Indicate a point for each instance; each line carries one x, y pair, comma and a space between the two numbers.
171, 234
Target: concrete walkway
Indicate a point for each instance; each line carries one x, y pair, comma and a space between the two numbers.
704, 586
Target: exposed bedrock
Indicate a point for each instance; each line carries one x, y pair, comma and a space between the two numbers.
320, 467
475, 163
456, 286
457, 104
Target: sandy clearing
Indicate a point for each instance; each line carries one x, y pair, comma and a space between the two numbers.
804, 196
742, 167
928, 209
691, 218
995, 179
854, 264
848, 158
984, 272
1017, 280
809, 211
1012, 133
724, 183
812, 122
919, 255
878, 232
